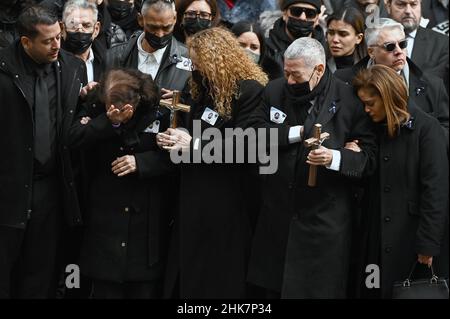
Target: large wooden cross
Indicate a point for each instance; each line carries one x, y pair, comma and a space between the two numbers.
314, 143
174, 106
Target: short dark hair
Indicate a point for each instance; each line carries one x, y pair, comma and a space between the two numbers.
31, 17
157, 4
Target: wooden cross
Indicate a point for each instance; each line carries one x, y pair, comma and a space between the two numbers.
314, 143
174, 105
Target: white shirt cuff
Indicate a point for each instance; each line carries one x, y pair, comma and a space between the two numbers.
335, 162
294, 134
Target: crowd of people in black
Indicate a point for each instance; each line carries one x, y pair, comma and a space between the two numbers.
89, 91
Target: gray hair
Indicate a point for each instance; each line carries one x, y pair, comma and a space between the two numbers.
158, 5
373, 32
72, 5
308, 49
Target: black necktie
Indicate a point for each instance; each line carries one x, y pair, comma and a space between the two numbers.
42, 120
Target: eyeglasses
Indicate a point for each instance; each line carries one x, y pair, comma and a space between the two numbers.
195, 14
73, 27
390, 46
296, 12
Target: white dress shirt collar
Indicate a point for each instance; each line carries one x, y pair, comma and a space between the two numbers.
158, 54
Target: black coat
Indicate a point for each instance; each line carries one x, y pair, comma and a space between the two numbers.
169, 76
110, 34
433, 61
275, 46
99, 51
435, 12
408, 205
211, 245
16, 162
99, 59
425, 90
128, 217
315, 221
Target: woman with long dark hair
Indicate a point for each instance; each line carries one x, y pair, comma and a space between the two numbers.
345, 38
194, 16
251, 38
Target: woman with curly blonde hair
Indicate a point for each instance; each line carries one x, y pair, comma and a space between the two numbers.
213, 230
217, 59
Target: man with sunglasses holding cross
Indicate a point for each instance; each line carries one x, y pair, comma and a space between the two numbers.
300, 19
387, 44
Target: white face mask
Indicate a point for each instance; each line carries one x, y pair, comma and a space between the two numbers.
254, 56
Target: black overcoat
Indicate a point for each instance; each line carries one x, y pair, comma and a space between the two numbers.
303, 234
128, 218
408, 202
16, 162
211, 245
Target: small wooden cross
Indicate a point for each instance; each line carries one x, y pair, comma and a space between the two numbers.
174, 105
314, 143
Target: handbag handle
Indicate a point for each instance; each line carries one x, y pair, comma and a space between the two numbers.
433, 280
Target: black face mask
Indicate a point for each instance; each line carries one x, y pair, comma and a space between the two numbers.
77, 42
119, 9
192, 26
158, 42
300, 89
300, 28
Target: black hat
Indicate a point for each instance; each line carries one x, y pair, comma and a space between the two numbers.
315, 3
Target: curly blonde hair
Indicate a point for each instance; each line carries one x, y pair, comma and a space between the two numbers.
223, 63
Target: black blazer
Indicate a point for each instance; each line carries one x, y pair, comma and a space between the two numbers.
431, 52
285, 196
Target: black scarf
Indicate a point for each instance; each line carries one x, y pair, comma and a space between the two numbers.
279, 36
104, 17
281, 40
129, 24
301, 104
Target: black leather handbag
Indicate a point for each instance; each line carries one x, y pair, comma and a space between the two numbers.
432, 288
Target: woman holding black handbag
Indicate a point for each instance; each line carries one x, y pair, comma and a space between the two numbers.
406, 218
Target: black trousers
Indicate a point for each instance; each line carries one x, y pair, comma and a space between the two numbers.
27, 256
128, 290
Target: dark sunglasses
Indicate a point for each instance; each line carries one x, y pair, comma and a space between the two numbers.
296, 12
390, 46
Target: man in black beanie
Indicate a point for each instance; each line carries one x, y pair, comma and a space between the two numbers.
300, 19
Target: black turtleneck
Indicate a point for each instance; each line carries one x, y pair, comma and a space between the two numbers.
344, 62
33, 69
